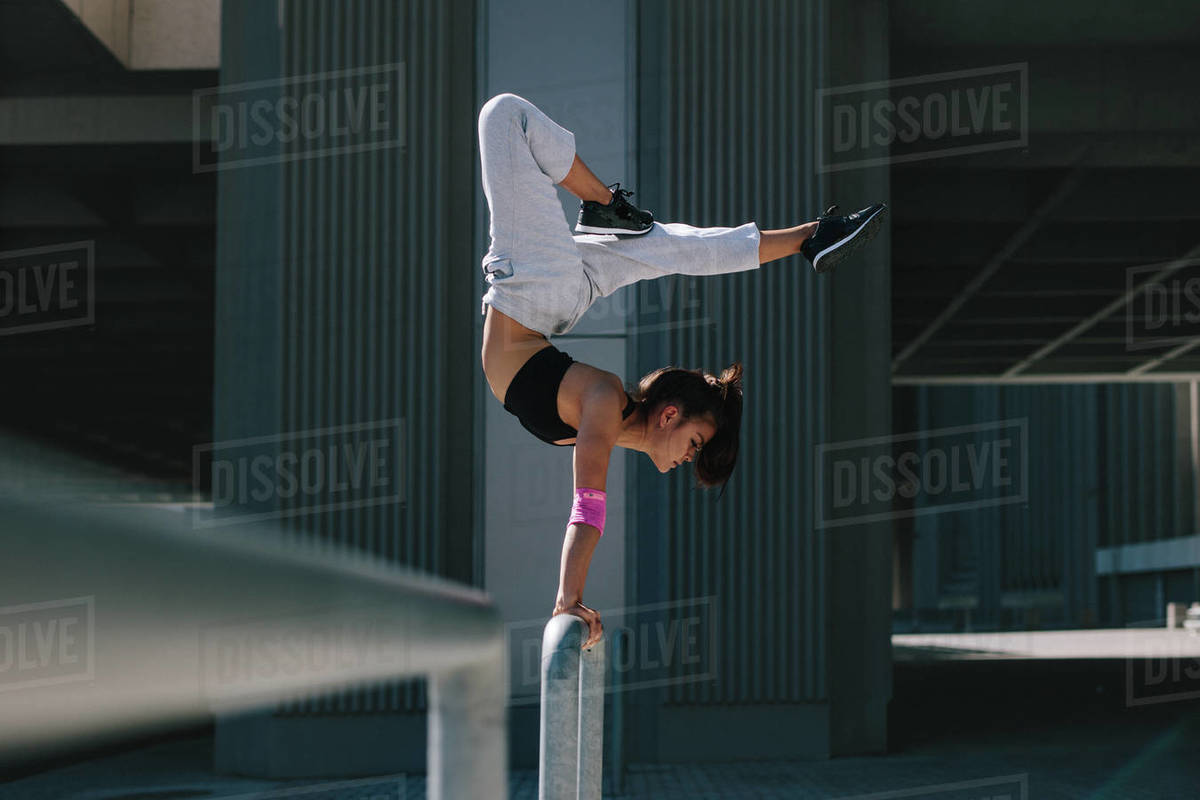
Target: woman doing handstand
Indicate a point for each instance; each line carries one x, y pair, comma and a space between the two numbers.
541, 279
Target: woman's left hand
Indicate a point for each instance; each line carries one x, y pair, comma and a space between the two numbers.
588, 615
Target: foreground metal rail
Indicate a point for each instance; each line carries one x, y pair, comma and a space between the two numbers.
571, 749
122, 621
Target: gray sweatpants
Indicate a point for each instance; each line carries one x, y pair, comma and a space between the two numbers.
537, 272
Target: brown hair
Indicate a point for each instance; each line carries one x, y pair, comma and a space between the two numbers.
699, 394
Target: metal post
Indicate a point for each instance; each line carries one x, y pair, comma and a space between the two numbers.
468, 729
572, 719
558, 745
591, 722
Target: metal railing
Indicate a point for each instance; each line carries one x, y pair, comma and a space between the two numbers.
571, 746
129, 621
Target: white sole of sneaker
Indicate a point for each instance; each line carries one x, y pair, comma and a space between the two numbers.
870, 225
626, 231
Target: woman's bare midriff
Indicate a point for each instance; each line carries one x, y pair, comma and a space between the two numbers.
507, 345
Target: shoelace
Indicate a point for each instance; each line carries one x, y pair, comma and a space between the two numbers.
821, 219
618, 192
619, 204
618, 198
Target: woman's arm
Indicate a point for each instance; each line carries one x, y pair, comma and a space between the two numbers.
600, 424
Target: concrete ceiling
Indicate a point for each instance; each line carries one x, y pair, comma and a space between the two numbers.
43, 37
1025, 264
1038, 23
45, 50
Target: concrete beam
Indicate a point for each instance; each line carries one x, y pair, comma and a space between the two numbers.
1108, 149
935, 193
1048, 379
99, 120
1082, 87
144, 623
1032, 23
966, 246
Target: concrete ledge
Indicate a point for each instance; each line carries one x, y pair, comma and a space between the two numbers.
1099, 644
1166, 554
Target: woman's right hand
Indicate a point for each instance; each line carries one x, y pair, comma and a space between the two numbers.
588, 615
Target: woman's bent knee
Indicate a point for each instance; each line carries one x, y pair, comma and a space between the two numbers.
502, 107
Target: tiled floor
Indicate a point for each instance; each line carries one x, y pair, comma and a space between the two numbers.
982, 730
1068, 763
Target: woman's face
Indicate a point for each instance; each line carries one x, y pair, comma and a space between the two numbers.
675, 440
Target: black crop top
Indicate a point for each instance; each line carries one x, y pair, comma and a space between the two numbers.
532, 397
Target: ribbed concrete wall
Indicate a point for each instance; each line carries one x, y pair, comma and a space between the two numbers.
373, 275
365, 283
727, 126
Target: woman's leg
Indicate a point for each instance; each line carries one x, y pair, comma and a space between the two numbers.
778, 244
584, 184
532, 266
677, 249
523, 153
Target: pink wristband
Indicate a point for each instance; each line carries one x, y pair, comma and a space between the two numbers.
588, 508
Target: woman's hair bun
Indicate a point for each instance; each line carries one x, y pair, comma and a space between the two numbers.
731, 376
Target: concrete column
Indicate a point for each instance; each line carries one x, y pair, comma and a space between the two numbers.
859, 656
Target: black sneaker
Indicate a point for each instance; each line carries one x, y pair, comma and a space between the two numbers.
838, 236
619, 216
